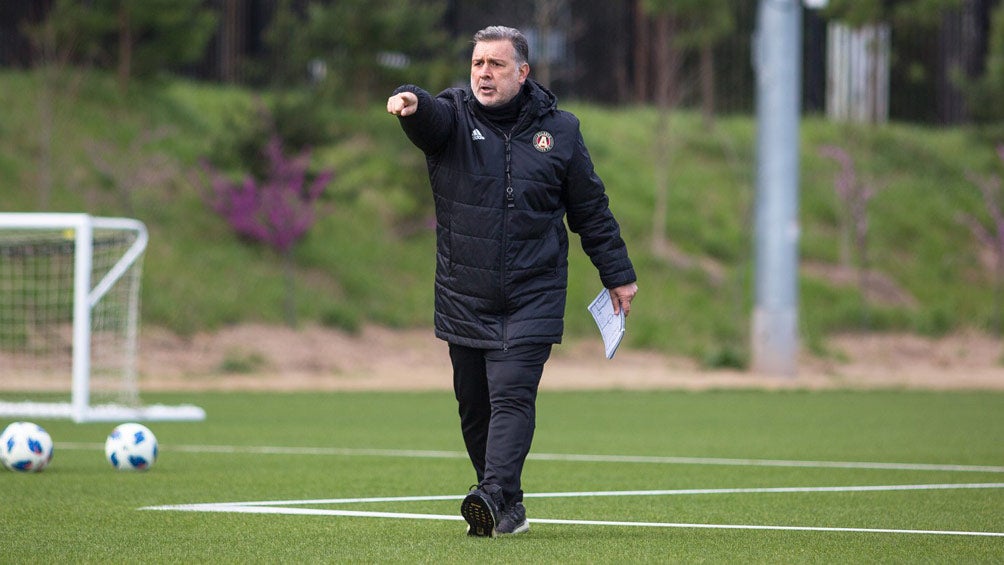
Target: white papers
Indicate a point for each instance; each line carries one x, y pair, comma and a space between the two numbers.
611, 325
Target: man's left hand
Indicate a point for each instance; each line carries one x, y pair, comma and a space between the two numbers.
622, 296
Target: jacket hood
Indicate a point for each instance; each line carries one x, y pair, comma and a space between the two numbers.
545, 99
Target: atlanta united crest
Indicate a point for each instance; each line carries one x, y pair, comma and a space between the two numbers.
543, 141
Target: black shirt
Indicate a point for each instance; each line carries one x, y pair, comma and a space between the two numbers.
505, 116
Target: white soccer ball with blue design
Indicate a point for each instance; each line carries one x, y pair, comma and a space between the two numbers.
25, 447
131, 447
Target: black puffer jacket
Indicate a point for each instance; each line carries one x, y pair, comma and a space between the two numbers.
500, 198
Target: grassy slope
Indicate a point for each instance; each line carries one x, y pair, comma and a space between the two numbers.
370, 256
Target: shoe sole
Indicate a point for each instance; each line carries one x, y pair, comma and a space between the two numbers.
479, 515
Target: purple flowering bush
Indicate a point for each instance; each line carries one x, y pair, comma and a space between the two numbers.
277, 210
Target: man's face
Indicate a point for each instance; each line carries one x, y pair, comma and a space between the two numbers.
495, 76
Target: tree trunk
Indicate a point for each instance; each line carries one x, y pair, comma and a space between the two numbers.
708, 85
863, 269
125, 47
230, 40
289, 273
47, 57
667, 67
641, 53
660, 209
668, 60
660, 170
998, 324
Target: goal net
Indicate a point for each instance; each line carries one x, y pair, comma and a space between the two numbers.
69, 319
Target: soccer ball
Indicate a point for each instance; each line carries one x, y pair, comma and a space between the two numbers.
131, 447
25, 447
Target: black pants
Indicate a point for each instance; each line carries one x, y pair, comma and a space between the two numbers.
496, 394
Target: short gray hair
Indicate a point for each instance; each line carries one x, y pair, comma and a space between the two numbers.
510, 34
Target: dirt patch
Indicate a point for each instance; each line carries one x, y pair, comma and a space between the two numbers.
255, 357
258, 357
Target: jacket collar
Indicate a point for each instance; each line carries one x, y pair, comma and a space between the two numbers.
538, 102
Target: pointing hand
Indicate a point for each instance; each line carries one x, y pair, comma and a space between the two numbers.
402, 104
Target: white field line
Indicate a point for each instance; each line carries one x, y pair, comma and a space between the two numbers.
282, 507
238, 509
670, 492
656, 460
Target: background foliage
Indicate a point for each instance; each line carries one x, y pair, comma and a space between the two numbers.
369, 257
104, 125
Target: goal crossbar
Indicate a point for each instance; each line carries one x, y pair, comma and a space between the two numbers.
85, 298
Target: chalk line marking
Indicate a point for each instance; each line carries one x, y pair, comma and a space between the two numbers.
642, 459
669, 492
283, 507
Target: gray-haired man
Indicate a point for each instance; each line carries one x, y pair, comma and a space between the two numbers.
507, 167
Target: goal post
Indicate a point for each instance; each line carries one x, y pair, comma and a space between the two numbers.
69, 319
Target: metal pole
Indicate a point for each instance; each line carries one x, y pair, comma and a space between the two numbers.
777, 58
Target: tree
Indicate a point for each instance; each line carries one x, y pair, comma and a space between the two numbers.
985, 94
287, 55
363, 48
156, 35
139, 39
77, 36
56, 44
680, 25
277, 210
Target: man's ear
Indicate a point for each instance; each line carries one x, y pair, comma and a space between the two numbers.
524, 71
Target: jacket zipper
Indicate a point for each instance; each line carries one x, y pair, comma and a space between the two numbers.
510, 202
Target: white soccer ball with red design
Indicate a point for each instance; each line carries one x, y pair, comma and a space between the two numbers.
131, 447
25, 447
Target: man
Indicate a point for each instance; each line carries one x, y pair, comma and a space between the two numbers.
506, 167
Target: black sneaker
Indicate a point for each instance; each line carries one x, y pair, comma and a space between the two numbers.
513, 521
481, 510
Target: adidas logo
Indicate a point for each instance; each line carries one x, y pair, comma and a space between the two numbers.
476, 135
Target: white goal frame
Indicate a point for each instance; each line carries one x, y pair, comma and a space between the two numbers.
85, 298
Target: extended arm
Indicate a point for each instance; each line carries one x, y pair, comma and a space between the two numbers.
427, 121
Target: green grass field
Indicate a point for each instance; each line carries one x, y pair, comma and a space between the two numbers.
724, 476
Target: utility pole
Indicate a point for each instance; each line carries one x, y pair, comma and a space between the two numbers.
777, 60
